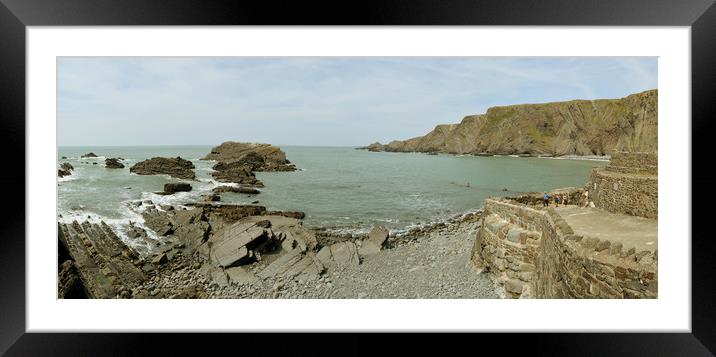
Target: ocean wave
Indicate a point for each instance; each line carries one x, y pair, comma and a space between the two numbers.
576, 157
67, 178
88, 158
178, 198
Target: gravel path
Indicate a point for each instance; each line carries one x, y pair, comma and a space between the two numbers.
433, 265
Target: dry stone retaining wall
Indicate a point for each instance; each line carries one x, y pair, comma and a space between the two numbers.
635, 195
634, 163
628, 185
535, 253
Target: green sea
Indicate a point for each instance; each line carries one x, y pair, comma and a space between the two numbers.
339, 188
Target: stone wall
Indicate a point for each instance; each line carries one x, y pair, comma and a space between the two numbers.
534, 253
507, 245
635, 195
628, 185
634, 163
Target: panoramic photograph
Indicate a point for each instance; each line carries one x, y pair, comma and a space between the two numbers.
357, 177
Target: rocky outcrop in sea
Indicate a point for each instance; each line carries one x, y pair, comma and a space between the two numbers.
65, 169
237, 162
174, 167
113, 163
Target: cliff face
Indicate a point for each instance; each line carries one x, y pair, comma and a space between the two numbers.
578, 127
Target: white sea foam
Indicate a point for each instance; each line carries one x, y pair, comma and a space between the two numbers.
119, 225
67, 178
577, 157
88, 158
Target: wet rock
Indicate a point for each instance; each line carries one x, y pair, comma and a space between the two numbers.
170, 188
290, 214
174, 167
89, 154
66, 166
234, 189
113, 163
158, 221
212, 198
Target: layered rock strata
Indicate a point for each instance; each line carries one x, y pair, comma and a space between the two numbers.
578, 127
237, 162
174, 167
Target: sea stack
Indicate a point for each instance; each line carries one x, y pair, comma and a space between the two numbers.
237, 162
174, 167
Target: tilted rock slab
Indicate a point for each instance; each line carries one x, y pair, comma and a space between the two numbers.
304, 266
232, 248
103, 262
341, 254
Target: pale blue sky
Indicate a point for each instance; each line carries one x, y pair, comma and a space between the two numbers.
325, 101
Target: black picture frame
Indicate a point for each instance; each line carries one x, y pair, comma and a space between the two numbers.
16, 15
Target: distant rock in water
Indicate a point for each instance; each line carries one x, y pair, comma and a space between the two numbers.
89, 154
578, 127
261, 157
113, 163
174, 167
237, 162
374, 147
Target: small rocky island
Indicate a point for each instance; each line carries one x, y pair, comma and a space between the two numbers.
174, 167
237, 162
